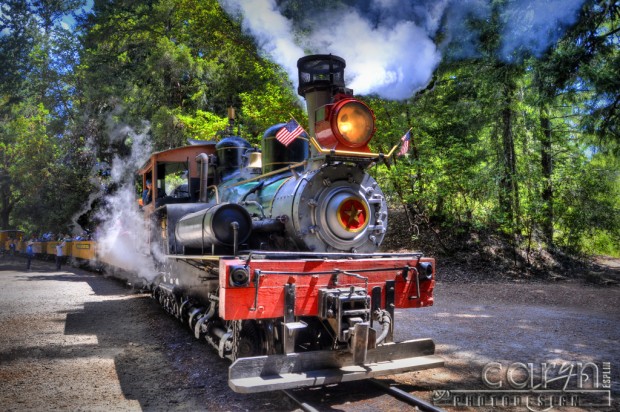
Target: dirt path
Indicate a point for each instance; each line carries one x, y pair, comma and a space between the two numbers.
73, 340
476, 324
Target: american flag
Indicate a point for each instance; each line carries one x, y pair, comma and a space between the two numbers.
404, 148
289, 132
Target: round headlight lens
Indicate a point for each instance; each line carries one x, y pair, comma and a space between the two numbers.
355, 123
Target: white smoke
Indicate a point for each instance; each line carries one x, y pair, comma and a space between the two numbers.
273, 31
533, 25
389, 45
393, 61
122, 236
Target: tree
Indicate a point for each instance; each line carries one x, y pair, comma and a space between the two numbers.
35, 108
27, 152
178, 64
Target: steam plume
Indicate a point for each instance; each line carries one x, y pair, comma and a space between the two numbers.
122, 236
391, 46
390, 61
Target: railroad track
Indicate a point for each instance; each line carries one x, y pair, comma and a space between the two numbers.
386, 388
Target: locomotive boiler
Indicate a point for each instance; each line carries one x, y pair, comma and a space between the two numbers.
271, 255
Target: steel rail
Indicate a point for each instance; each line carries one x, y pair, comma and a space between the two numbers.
303, 405
406, 397
389, 390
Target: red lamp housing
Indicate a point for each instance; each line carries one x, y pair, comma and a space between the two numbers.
347, 124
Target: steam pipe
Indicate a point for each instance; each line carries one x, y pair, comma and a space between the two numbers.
235, 228
267, 226
203, 159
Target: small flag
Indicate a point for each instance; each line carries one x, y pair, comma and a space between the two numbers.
289, 132
404, 148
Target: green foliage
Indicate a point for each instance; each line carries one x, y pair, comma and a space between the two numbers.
601, 243
202, 125
479, 148
41, 156
167, 127
525, 148
178, 64
271, 104
27, 153
589, 204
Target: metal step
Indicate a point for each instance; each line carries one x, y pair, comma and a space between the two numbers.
295, 370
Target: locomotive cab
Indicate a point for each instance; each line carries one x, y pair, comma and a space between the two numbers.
175, 175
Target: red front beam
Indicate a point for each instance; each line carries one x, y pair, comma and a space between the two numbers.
242, 302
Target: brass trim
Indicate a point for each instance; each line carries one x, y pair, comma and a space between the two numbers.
333, 152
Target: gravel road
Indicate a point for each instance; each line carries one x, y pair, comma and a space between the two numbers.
75, 340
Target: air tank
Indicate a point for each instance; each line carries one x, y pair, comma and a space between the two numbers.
214, 226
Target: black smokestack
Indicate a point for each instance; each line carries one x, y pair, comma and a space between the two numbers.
320, 77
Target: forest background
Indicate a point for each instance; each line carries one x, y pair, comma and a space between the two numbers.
515, 150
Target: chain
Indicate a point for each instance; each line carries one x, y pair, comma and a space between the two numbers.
236, 337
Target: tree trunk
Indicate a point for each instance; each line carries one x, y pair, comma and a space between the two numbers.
5, 211
418, 167
508, 190
547, 170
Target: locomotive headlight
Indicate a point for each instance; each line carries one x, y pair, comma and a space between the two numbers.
354, 123
425, 270
346, 125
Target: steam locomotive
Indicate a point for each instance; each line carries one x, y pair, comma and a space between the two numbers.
271, 255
